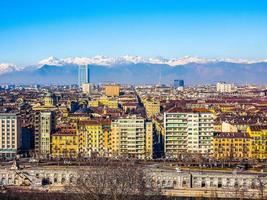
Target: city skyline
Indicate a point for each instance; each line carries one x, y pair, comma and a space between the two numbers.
169, 29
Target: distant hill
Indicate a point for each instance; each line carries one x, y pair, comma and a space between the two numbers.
140, 72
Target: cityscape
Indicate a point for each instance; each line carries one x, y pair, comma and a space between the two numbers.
132, 127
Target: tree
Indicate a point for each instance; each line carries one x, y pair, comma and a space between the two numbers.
115, 183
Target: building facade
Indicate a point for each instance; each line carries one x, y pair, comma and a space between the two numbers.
152, 108
45, 123
83, 74
112, 90
132, 137
258, 134
94, 137
178, 83
187, 132
232, 146
223, 87
10, 135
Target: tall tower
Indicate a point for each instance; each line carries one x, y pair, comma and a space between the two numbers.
83, 74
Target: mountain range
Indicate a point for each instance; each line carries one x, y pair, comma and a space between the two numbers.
138, 70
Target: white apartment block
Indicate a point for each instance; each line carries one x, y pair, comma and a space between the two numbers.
225, 87
187, 132
129, 137
10, 134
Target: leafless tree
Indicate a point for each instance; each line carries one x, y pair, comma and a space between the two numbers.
115, 183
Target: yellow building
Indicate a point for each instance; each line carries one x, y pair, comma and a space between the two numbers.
232, 146
65, 144
94, 137
93, 103
258, 133
152, 108
149, 140
104, 101
112, 90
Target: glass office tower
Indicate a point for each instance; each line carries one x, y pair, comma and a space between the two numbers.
83, 74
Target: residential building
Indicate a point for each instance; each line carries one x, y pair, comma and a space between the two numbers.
232, 145
132, 136
10, 134
94, 137
87, 88
258, 134
224, 87
65, 143
45, 124
188, 131
104, 101
152, 108
112, 90
228, 127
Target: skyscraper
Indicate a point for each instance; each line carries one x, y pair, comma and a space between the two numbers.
83, 74
178, 83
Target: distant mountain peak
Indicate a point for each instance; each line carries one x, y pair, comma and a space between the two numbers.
52, 60
128, 59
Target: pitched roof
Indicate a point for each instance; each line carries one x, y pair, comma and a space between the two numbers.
232, 135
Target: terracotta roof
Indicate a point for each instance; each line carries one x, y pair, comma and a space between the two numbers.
232, 135
258, 127
94, 122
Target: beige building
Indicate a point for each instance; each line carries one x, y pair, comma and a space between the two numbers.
87, 88
112, 90
152, 108
10, 134
228, 128
131, 136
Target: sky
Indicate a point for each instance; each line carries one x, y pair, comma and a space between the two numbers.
31, 30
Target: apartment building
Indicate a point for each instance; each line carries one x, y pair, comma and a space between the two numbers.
132, 136
232, 145
94, 137
152, 108
258, 134
112, 90
188, 131
223, 87
45, 123
10, 134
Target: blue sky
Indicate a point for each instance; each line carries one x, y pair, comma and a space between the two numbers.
31, 30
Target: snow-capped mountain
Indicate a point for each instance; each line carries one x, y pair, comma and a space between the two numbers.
137, 69
110, 61
8, 67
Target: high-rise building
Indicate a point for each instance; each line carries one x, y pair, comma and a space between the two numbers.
10, 134
83, 74
45, 123
187, 131
112, 90
132, 136
178, 83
